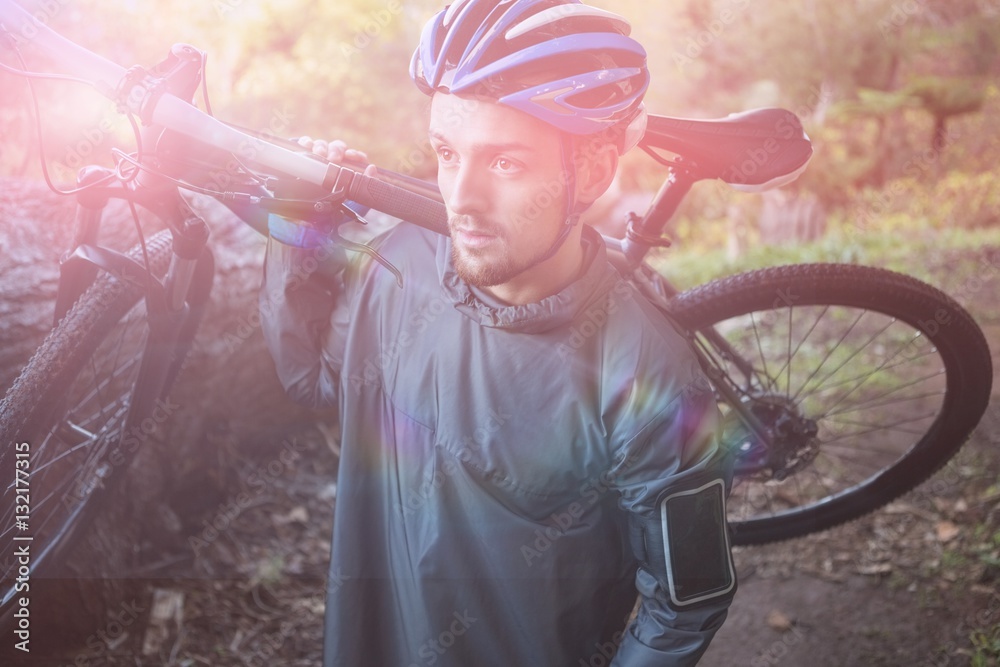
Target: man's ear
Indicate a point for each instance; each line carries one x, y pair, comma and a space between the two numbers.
595, 171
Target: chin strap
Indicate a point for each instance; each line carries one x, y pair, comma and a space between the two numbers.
572, 217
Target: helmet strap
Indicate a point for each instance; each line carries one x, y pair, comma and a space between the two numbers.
572, 216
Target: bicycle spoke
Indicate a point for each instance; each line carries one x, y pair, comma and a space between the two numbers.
760, 351
880, 404
820, 389
888, 427
849, 461
829, 352
791, 355
868, 377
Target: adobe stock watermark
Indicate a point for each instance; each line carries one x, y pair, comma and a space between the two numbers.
416, 325
77, 153
431, 651
131, 441
303, 267
419, 497
778, 650
594, 319
604, 652
41, 16
899, 15
757, 158
866, 214
880, 547
102, 642
277, 126
266, 648
223, 7
985, 616
784, 297
374, 23
257, 483
560, 523
695, 45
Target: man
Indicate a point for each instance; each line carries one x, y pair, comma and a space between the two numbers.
521, 428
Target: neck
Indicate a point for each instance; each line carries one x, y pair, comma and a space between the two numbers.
545, 278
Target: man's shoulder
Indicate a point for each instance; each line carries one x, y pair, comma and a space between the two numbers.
407, 238
642, 339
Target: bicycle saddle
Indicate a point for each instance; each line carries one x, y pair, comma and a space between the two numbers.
752, 150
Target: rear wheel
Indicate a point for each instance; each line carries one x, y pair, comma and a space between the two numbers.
865, 382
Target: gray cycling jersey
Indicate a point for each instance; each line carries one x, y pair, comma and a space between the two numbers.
491, 456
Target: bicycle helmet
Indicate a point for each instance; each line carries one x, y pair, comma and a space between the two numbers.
570, 65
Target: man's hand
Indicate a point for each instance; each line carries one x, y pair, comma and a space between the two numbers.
338, 152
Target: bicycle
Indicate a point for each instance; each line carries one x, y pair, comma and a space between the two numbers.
842, 386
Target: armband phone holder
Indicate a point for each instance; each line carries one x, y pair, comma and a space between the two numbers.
699, 565
685, 545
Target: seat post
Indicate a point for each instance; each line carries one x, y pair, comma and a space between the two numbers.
646, 232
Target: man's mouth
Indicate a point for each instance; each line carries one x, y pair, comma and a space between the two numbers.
472, 236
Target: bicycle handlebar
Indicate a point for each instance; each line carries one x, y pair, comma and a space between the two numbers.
171, 112
175, 114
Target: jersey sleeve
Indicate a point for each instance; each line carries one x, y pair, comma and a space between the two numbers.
304, 300
677, 455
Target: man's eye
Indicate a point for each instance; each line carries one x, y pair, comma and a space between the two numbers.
505, 164
445, 154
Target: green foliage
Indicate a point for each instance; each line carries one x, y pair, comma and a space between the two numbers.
986, 646
946, 96
914, 247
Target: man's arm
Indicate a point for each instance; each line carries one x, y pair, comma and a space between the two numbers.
303, 319
303, 299
673, 484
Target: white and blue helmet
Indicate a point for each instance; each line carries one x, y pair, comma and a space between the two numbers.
572, 66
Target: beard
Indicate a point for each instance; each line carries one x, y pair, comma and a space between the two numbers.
490, 266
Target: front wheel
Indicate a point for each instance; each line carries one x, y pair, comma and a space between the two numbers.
862, 383
67, 426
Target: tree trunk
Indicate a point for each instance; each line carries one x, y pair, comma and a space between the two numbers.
787, 217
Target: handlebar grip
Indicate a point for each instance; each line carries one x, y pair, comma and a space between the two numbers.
399, 203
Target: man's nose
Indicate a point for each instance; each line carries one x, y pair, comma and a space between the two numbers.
469, 191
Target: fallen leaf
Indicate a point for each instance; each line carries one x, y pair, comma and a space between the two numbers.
946, 531
298, 513
779, 621
165, 618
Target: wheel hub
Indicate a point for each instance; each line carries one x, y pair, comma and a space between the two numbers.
793, 443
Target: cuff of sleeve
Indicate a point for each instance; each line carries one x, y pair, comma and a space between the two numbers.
297, 235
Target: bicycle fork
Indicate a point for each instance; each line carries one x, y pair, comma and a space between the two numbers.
174, 305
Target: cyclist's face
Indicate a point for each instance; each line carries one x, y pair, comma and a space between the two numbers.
501, 174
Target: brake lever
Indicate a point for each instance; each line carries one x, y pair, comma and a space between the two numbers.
364, 248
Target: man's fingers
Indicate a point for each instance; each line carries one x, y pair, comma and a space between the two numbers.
334, 151
357, 156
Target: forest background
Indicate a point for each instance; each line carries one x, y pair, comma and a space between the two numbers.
900, 97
